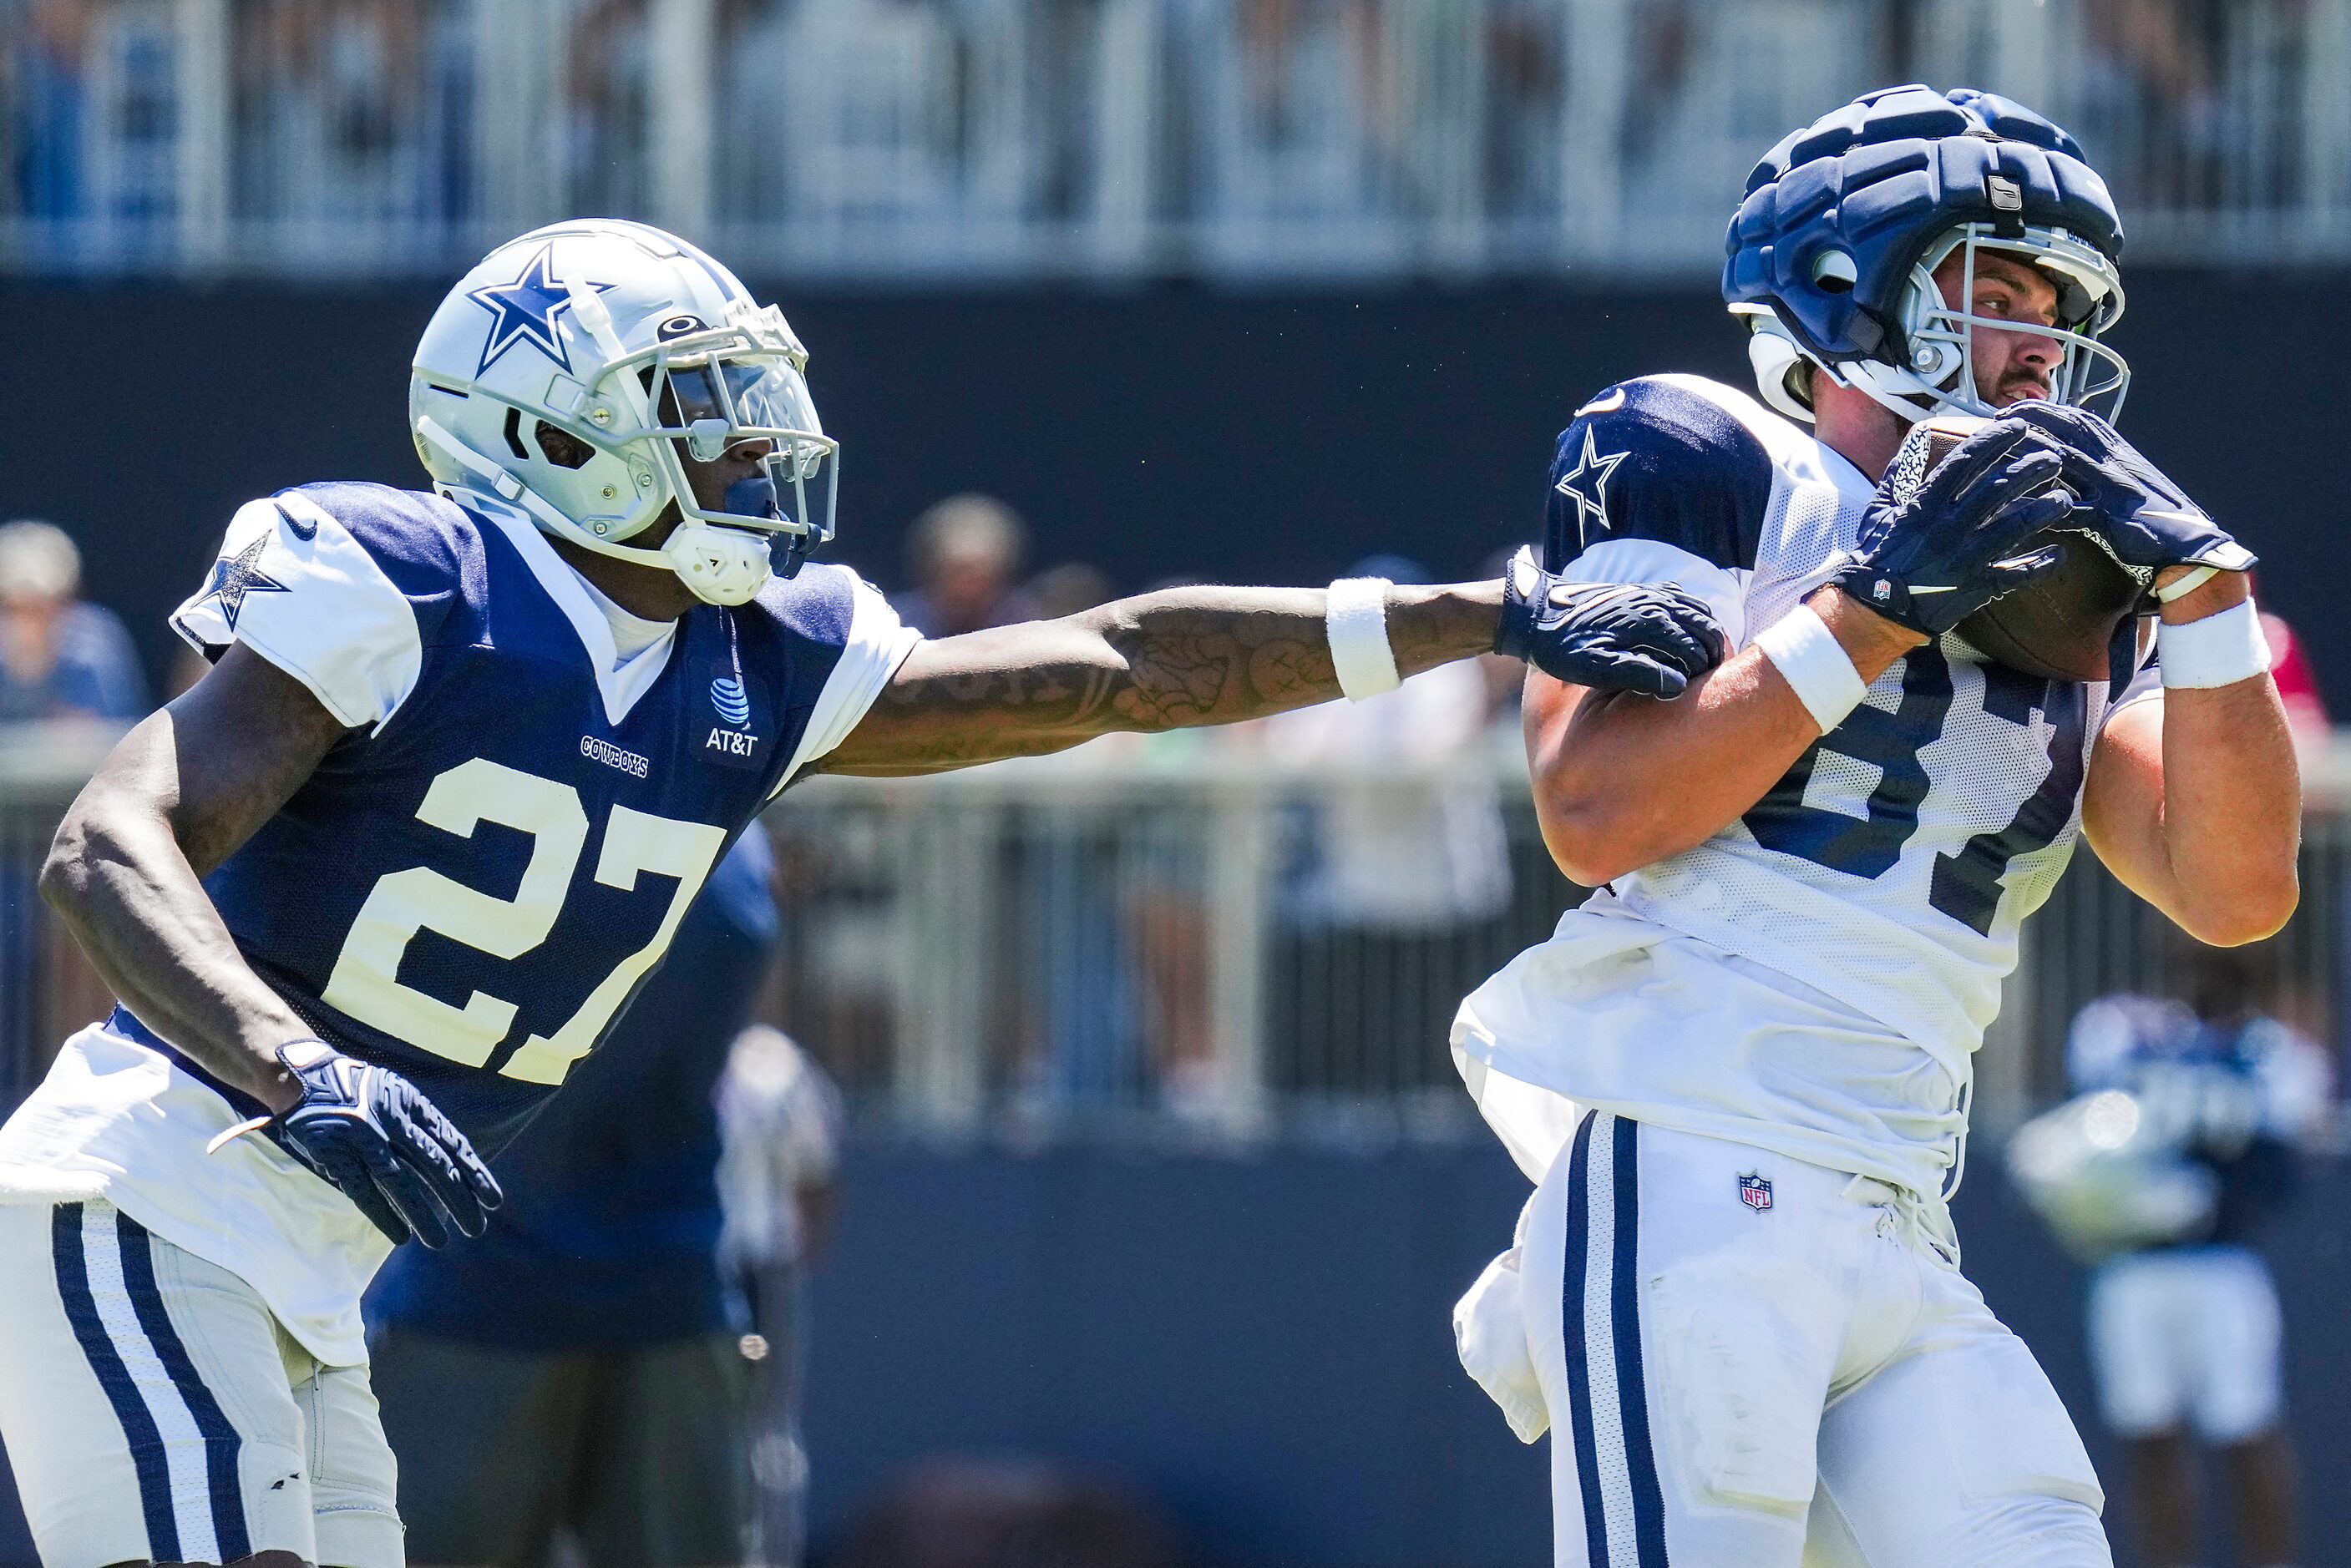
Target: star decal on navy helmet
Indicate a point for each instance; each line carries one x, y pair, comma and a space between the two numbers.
523, 311
1586, 484
234, 577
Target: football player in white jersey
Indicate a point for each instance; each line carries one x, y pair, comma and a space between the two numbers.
1739, 1074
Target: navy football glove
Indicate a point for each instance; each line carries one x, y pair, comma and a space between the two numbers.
372, 1134
1938, 546
1611, 636
2145, 519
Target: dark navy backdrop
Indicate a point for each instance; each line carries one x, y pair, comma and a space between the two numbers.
1157, 434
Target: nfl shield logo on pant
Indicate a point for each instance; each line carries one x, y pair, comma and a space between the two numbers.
1755, 1192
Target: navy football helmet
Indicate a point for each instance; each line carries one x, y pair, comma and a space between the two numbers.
1834, 251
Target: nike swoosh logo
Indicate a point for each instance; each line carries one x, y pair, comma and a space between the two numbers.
1607, 405
1917, 590
300, 528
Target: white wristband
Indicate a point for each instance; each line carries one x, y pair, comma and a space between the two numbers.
1357, 621
1801, 646
2219, 650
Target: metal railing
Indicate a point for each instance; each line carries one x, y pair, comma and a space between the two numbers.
916, 139
1181, 939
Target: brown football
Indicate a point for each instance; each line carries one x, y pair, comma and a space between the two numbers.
2059, 625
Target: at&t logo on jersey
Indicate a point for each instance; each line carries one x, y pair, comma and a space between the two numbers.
733, 704
732, 739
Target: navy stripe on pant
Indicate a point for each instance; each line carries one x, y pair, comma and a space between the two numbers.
1632, 1392
1600, 1311
138, 1428
222, 1440
1579, 1373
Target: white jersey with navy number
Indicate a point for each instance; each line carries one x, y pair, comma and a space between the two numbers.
1883, 878
477, 877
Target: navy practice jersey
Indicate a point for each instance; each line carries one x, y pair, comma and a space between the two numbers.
478, 878
481, 873
609, 1236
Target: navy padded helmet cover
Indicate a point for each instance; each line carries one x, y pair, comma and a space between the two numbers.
1880, 179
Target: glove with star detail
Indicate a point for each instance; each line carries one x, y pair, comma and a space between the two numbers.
1937, 546
371, 1134
2144, 518
1613, 637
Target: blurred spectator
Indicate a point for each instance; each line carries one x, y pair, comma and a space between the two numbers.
964, 553
610, 83
1282, 42
336, 110
2184, 1150
60, 658
779, 1122
1401, 854
1066, 589
42, 72
576, 1381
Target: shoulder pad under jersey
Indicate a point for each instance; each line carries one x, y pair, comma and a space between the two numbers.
1679, 460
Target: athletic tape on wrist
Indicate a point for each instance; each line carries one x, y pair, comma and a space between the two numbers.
2217, 650
1357, 622
2186, 584
1803, 650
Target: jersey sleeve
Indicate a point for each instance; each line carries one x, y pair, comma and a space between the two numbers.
337, 588
1656, 482
831, 607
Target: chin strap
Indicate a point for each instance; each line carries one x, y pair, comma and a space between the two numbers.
718, 565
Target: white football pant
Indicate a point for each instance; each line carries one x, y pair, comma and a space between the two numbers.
154, 1410
1746, 1361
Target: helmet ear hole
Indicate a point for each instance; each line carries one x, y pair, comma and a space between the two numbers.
1833, 273
561, 447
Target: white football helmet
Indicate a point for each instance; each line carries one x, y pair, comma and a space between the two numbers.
637, 346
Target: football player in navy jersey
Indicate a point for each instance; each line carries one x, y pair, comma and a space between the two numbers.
1740, 1073
370, 888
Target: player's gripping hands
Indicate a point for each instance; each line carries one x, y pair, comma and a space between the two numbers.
2145, 519
1613, 636
371, 1133
1938, 544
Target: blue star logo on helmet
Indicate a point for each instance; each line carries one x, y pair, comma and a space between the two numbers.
235, 577
523, 311
1586, 484
733, 702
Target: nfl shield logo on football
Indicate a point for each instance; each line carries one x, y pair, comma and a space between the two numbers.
1755, 1192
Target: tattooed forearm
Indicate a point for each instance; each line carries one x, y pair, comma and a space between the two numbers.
1161, 661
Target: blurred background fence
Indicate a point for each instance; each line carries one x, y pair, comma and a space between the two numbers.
1200, 947
919, 140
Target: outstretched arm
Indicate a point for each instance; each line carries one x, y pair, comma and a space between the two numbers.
1165, 660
